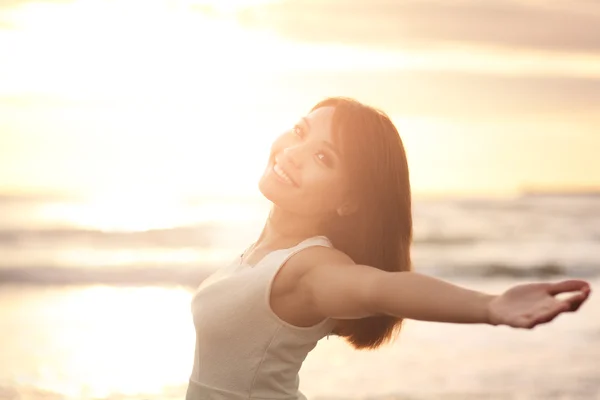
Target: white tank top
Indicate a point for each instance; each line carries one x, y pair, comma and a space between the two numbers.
243, 349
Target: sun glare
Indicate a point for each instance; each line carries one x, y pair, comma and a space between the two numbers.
173, 94
122, 212
145, 41
227, 5
131, 336
135, 79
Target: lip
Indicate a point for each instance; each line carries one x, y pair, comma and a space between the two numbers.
282, 164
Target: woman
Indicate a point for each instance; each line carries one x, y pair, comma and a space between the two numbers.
334, 258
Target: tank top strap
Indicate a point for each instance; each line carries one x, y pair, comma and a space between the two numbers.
312, 241
275, 260
280, 257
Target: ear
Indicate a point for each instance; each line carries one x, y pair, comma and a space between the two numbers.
348, 208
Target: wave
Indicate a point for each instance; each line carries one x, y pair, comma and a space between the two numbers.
498, 270
439, 240
138, 275
11, 390
565, 193
17, 391
192, 276
192, 236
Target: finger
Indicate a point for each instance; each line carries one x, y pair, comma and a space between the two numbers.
546, 318
570, 285
551, 313
574, 302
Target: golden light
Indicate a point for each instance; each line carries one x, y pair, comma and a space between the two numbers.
146, 348
227, 6
91, 48
121, 212
166, 94
140, 211
137, 85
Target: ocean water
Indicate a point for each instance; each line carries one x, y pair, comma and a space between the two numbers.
94, 300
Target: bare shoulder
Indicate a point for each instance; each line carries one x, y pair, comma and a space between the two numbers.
319, 256
302, 265
291, 299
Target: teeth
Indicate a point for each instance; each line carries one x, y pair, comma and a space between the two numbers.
282, 174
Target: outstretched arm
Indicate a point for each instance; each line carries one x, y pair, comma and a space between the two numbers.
337, 288
421, 297
416, 296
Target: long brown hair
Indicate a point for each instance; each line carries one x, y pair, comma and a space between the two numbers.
379, 233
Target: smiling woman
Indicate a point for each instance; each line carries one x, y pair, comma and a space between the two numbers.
334, 257
143, 103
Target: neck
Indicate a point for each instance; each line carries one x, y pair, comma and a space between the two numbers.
284, 228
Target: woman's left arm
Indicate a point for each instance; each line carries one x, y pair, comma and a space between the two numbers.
335, 287
417, 296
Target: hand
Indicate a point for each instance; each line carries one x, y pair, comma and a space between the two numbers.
525, 306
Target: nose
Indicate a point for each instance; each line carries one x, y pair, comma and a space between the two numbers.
292, 154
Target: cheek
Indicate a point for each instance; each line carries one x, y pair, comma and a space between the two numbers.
323, 191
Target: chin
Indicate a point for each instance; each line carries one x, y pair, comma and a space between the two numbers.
287, 198
272, 192
293, 199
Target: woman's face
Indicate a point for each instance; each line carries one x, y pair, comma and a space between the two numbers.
305, 174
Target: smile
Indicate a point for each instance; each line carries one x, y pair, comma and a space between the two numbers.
282, 175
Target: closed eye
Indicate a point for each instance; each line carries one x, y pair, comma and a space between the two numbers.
298, 131
324, 159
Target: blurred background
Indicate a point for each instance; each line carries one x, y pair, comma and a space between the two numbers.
133, 134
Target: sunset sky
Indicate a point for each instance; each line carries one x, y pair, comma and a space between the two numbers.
183, 97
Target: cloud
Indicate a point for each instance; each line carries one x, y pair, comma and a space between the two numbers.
447, 93
553, 25
8, 5
15, 3
431, 93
